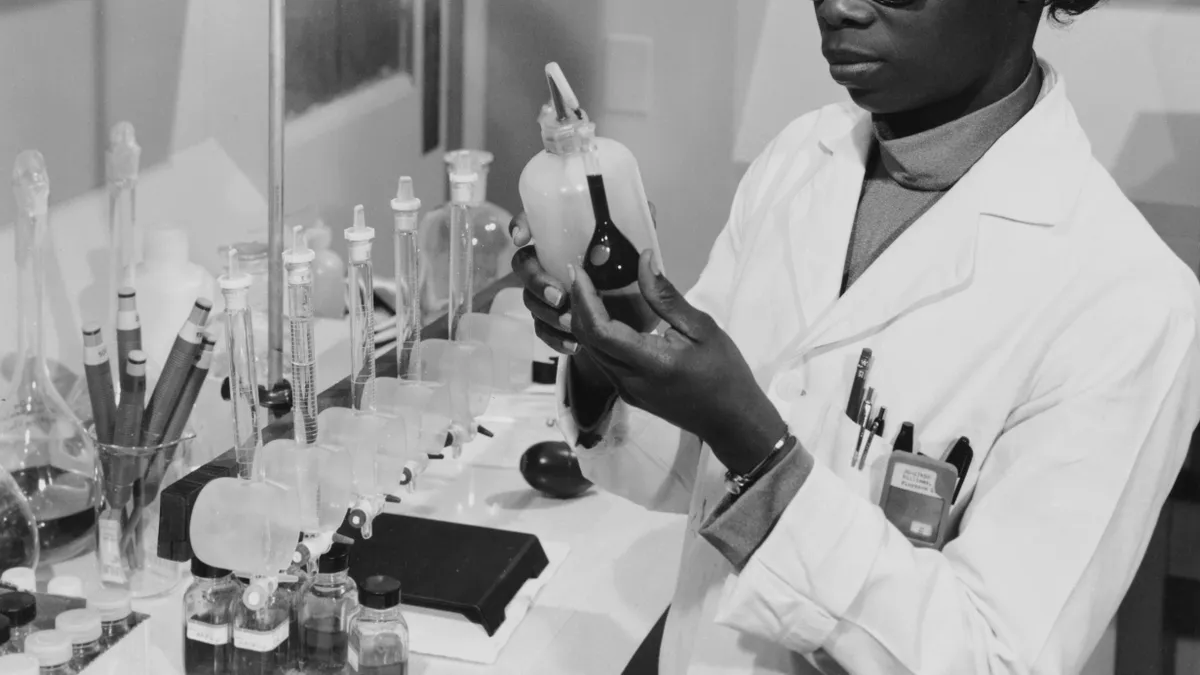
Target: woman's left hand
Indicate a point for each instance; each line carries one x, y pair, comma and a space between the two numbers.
691, 375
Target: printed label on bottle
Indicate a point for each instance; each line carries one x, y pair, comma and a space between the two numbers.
915, 479
111, 570
95, 355
190, 332
352, 659
128, 320
208, 633
259, 641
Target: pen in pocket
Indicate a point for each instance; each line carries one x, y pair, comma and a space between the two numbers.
877, 429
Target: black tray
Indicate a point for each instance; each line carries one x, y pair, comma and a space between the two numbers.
464, 569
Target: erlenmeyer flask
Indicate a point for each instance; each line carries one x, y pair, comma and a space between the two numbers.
18, 528
42, 444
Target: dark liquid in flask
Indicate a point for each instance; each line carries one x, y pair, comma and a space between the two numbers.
201, 658
395, 669
64, 505
324, 645
611, 261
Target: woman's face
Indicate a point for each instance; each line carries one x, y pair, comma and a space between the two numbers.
901, 55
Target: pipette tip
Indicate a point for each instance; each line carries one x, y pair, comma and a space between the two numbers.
124, 153
299, 240
360, 218
484, 431
406, 197
566, 104
342, 539
391, 499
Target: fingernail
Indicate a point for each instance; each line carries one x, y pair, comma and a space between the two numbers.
654, 266
565, 321
553, 295
571, 346
571, 272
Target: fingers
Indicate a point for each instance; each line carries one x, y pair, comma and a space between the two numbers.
557, 318
535, 278
595, 329
667, 301
519, 230
559, 341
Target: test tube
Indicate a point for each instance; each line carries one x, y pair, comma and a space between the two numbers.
298, 262
462, 258
121, 168
99, 382
405, 208
183, 355
359, 239
243, 378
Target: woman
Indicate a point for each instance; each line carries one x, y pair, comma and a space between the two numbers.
955, 223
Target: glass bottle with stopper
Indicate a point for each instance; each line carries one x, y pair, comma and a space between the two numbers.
492, 247
43, 445
586, 205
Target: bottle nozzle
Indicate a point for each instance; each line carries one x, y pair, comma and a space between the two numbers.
233, 263
359, 232
31, 183
406, 198
566, 104
124, 153
299, 253
299, 240
360, 218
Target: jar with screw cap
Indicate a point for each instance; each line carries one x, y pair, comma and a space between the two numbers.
82, 626
328, 602
52, 649
20, 609
378, 633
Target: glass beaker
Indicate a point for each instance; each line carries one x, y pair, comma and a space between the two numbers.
127, 515
18, 527
42, 443
493, 248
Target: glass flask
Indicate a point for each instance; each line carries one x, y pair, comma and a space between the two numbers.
18, 528
378, 633
43, 445
493, 248
327, 604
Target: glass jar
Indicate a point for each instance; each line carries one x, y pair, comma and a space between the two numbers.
493, 248
262, 630
208, 606
20, 609
42, 443
6, 646
83, 628
378, 633
329, 600
52, 649
116, 614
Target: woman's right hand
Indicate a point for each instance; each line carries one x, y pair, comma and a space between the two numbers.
545, 297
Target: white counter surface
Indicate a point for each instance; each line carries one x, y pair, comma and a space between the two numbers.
590, 617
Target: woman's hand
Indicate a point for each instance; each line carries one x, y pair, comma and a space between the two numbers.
692, 375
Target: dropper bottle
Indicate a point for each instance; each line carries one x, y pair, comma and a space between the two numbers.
405, 209
359, 240
123, 161
298, 262
243, 379
462, 264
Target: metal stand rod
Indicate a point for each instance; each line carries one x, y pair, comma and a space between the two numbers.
275, 111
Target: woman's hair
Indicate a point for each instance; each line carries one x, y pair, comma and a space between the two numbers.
1061, 11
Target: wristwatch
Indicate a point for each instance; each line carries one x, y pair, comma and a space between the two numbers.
736, 484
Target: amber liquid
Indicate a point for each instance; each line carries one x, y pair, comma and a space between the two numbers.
201, 658
64, 506
324, 646
275, 662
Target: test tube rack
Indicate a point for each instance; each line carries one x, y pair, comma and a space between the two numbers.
500, 561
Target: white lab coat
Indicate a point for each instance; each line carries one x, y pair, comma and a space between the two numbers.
1033, 310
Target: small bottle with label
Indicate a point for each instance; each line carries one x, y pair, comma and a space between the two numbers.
262, 624
65, 586
52, 649
208, 620
378, 633
20, 609
82, 626
116, 614
329, 601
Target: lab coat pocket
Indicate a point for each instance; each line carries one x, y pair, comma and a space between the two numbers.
844, 461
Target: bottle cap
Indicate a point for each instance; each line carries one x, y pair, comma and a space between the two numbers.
18, 664
5, 630
299, 253
336, 559
359, 231
166, 246
202, 570
67, 586
904, 438
234, 279
124, 153
19, 608
406, 199
50, 647
379, 592
81, 626
111, 603
23, 578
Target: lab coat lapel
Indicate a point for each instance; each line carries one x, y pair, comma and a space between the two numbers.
821, 216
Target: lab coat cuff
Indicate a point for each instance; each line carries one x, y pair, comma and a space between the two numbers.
740, 524
601, 432
803, 578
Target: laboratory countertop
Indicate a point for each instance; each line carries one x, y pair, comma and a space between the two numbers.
590, 616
